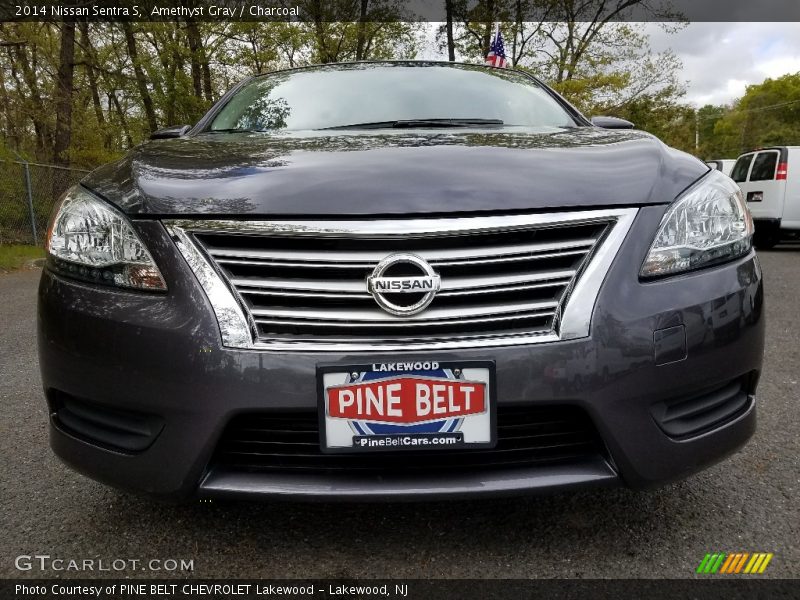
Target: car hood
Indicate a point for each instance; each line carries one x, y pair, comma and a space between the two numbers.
394, 172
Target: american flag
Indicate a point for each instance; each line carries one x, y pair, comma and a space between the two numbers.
497, 52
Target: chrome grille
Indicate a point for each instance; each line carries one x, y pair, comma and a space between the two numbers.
303, 284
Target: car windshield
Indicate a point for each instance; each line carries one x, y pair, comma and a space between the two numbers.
370, 95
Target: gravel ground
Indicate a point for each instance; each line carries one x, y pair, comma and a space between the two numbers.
747, 503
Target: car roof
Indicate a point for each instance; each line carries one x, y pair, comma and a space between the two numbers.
770, 148
432, 63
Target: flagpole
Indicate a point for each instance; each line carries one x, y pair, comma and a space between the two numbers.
496, 35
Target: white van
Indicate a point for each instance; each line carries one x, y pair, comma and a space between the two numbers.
772, 191
722, 164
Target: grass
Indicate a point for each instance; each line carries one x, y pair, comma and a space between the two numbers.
16, 256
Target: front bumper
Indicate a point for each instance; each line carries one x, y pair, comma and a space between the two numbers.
161, 355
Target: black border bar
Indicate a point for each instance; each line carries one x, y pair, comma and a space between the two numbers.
317, 11
731, 587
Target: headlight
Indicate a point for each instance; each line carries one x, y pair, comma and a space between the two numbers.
91, 241
709, 224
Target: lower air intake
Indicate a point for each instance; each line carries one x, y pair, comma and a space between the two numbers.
684, 417
115, 429
289, 442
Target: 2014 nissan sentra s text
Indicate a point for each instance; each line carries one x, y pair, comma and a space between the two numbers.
399, 280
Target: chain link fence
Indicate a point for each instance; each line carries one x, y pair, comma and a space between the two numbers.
28, 192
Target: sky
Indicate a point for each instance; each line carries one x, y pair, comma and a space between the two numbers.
719, 59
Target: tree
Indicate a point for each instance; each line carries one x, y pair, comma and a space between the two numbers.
130, 78
346, 30
28, 61
767, 115
448, 30
673, 123
63, 96
583, 48
711, 144
141, 79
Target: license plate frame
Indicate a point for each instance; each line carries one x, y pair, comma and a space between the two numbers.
475, 438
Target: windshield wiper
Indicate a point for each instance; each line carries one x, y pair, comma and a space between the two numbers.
234, 130
411, 123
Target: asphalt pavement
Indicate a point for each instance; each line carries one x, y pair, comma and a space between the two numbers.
747, 503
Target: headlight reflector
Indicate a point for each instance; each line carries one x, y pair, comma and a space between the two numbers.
709, 224
89, 240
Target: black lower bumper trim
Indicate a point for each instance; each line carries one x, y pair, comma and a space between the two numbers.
588, 472
102, 426
685, 417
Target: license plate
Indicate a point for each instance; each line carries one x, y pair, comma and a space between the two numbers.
407, 405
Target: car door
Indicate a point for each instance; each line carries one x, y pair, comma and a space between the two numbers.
763, 192
791, 203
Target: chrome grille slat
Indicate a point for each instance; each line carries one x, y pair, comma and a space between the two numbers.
302, 265
301, 285
294, 292
562, 283
302, 294
369, 265
504, 280
394, 228
370, 257
404, 343
349, 288
378, 316
393, 324
515, 258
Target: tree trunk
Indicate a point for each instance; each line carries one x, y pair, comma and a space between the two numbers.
141, 80
322, 46
112, 96
314, 10
207, 89
13, 135
518, 30
361, 39
169, 65
251, 37
40, 126
193, 36
64, 85
89, 61
489, 27
451, 44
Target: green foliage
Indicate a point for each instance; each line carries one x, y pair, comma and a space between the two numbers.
597, 61
130, 78
672, 123
767, 115
14, 257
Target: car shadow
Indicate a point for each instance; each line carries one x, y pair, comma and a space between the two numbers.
422, 539
786, 246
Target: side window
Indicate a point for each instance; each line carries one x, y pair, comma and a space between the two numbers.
764, 166
739, 172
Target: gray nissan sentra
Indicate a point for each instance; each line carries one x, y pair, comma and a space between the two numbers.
399, 280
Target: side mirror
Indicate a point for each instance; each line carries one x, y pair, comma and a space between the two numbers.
611, 123
170, 132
